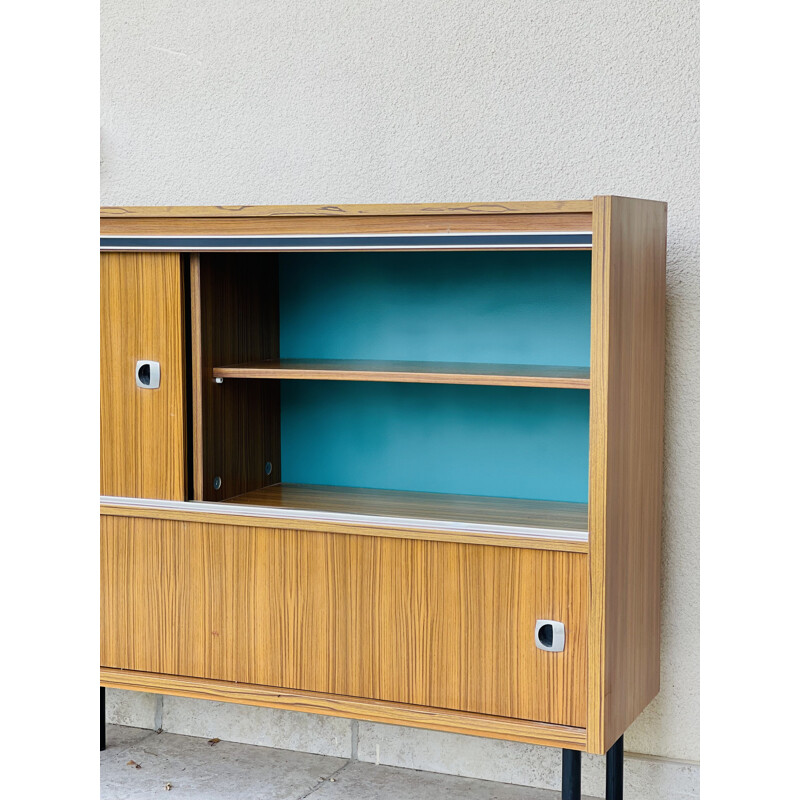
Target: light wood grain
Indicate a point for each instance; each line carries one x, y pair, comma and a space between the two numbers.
236, 423
351, 707
397, 209
432, 624
142, 431
411, 372
426, 529
421, 505
432, 223
625, 469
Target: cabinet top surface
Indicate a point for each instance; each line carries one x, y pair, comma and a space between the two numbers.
558, 224
401, 209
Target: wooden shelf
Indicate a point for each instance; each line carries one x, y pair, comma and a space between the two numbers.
411, 372
420, 509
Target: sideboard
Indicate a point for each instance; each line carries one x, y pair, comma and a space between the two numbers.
398, 463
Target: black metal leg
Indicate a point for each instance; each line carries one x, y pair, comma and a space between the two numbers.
614, 771
570, 775
102, 717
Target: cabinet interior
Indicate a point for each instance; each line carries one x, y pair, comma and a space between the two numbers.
430, 384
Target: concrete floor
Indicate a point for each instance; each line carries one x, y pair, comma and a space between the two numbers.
228, 771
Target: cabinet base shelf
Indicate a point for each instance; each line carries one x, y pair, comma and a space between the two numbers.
377, 512
453, 509
351, 707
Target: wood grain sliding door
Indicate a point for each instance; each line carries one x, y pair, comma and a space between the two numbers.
142, 430
428, 623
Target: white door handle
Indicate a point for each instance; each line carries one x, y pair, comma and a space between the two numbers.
148, 374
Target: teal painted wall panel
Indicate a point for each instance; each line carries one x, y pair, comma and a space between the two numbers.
506, 307
479, 440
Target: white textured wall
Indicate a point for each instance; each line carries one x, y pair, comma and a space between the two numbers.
366, 101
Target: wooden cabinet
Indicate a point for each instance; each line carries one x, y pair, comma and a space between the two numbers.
395, 451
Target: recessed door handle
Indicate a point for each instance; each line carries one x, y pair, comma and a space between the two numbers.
550, 635
148, 374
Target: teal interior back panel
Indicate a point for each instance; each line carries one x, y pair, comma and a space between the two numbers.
504, 307
479, 440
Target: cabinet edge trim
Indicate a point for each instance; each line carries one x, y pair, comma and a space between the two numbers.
496, 240
244, 514
528, 731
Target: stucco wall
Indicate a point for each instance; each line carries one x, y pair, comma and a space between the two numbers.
366, 101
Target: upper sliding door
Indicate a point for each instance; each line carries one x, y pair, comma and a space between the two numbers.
142, 405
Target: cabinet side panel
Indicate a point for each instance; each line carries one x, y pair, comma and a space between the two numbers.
142, 431
435, 624
236, 422
626, 452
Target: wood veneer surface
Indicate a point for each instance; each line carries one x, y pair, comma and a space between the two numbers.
625, 462
376, 209
236, 423
277, 225
142, 431
434, 624
351, 707
392, 527
411, 372
421, 505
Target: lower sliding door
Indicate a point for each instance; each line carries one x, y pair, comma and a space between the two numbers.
432, 623
142, 376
